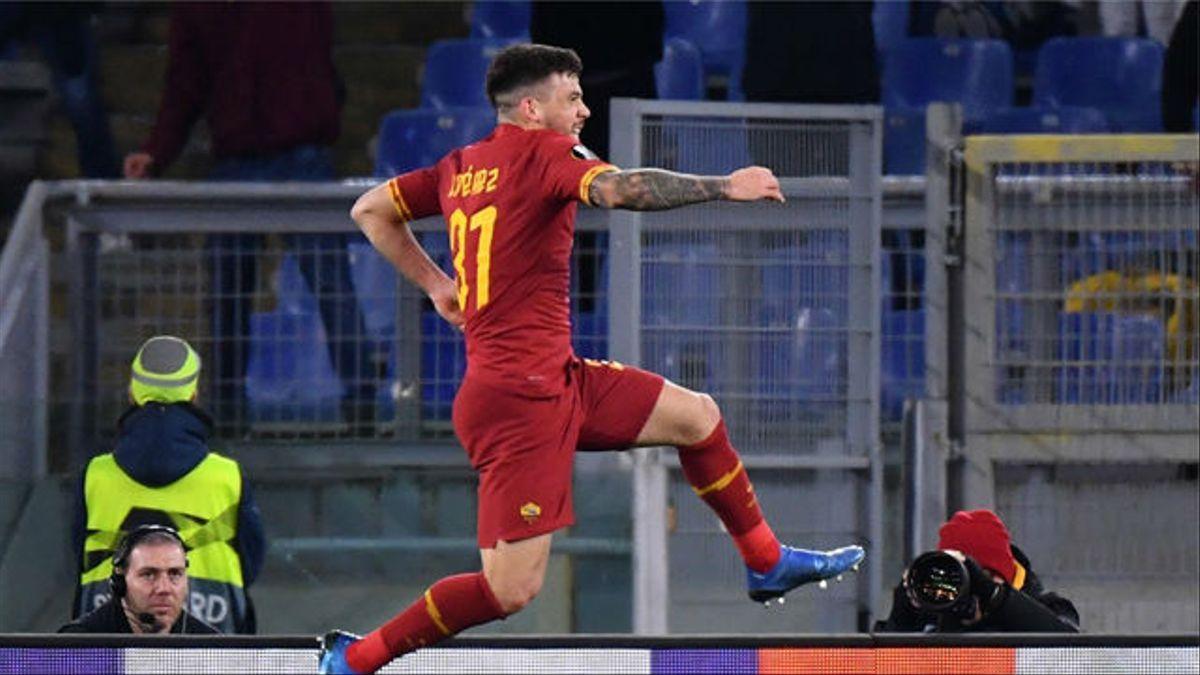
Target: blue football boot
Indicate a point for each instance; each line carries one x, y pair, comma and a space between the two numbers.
797, 567
333, 653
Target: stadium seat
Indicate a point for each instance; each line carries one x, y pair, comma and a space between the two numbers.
681, 291
492, 19
718, 29
1120, 76
978, 74
409, 139
289, 376
375, 282
1037, 120
456, 72
804, 290
292, 294
680, 74
443, 362
1110, 359
705, 146
904, 141
890, 20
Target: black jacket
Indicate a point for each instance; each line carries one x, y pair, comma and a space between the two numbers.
110, 618
1029, 610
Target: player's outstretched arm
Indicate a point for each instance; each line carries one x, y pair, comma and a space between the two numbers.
658, 189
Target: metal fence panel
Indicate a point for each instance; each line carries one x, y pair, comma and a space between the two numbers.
321, 339
24, 343
1086, 254
1081, 367
772, 309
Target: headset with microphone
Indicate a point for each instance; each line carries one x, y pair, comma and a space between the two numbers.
120, 564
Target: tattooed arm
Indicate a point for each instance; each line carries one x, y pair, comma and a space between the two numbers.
657, 190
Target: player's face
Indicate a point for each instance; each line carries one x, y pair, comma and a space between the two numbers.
561, 105
157, 581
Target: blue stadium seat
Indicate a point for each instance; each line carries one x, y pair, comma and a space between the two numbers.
410, 139
890, 19
680, 74
1037, 120
1118, 359
718, 29
456, 72
289, 376
681, 286
375, 284
813, 273
902, 359
1125, 251
443, 363
706, 146
1121, 76
978, 74
491, 19
804, 290
904, 141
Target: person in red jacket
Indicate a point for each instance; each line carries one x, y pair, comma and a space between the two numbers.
262, 76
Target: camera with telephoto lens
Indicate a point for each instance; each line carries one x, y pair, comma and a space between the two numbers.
939, 582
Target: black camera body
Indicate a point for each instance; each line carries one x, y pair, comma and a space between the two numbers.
938, 582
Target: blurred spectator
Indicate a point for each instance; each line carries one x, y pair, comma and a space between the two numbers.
810, 52
621, 67
263, 75
1000, 592
615, 68
1133, 18
149, 588
62, 32
162, 472
1181, 73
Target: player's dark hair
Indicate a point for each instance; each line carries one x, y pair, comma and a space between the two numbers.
523, 65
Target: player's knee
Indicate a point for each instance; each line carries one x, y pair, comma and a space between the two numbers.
704, 418
514, 595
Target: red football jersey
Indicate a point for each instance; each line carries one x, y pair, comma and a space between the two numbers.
509, 203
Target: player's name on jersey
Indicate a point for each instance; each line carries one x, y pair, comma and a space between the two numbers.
474, 182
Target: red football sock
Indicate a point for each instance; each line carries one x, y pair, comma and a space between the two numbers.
716, 473
450, 606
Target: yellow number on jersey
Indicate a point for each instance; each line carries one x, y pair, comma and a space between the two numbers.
483, 220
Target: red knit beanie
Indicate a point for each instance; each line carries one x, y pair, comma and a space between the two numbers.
981, 535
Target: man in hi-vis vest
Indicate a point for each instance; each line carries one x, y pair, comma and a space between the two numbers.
162, 472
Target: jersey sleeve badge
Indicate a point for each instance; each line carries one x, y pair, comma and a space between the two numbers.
580, 151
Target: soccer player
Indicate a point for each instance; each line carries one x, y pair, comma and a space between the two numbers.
527, 402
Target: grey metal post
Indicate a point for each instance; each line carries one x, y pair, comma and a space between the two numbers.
650, 600
82, 259
41, 359
862, 423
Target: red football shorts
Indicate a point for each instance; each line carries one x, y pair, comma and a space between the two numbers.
524, 448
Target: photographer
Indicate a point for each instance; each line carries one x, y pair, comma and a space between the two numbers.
976, 581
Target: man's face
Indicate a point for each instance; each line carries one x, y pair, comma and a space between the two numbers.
157, 582
560, 104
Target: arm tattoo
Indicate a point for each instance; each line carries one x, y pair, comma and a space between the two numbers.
654, 189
